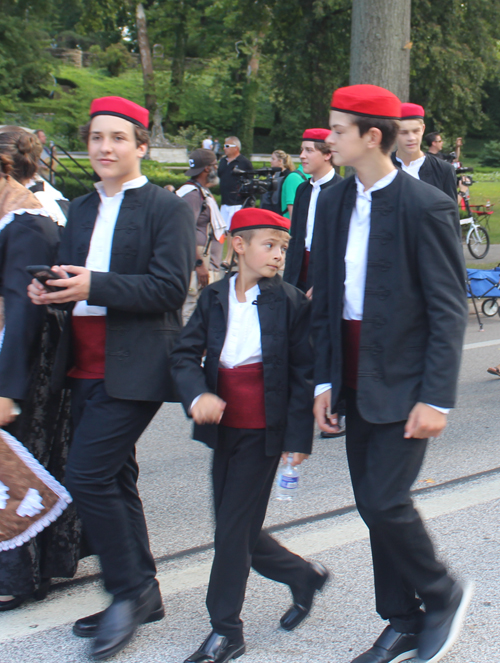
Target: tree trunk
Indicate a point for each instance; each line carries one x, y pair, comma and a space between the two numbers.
250, 94
380, 44
178, 67
146, 59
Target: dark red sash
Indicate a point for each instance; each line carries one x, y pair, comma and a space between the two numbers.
243, 390
89, 343
305, 266
351, 332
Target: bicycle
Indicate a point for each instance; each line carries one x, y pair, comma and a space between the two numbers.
477, 237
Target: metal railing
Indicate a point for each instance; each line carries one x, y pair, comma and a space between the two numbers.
53, 173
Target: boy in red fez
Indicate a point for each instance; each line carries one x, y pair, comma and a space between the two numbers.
317, 161
125, 262
389, 314
412, 160
251, 402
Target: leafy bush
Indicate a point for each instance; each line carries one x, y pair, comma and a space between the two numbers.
191, 137
490, 155
115, 59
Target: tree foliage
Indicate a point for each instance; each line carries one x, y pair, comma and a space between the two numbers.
228, 66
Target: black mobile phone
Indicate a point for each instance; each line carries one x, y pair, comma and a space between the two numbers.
43, 273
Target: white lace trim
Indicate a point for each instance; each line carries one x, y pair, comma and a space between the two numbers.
5, 220
54, 513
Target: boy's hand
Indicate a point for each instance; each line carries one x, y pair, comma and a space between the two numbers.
326, 422
75, 288
208, 409
425, 421
7, 411
297, 457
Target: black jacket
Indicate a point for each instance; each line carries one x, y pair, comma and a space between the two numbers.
298, 231
29, 239
415, 308
229, 183
439, 173
286, 354
152, 257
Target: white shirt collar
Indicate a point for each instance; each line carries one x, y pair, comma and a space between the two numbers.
416, 164
323, 180
131, 184
251, 295
381, 184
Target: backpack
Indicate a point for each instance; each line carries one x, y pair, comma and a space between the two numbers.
271, 200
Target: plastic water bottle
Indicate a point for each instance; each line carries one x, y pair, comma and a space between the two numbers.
287, 481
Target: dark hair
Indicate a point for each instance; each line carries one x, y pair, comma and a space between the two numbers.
388, 128
20, 151
324, 148
141, 134
431, 137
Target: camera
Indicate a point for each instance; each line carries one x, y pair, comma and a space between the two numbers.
253, 183
462, 178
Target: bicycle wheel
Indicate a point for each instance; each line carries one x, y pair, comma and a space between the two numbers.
478, 242
489, 307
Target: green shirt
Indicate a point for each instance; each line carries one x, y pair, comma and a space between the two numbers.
290, 186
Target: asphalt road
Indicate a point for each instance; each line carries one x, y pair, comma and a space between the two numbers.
458, 491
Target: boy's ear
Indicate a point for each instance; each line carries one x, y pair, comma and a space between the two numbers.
374, 137
238, 244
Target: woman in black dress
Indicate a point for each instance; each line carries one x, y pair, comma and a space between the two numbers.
39, 419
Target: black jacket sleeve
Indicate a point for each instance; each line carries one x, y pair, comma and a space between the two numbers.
27, 240
300, 419
187, 370
164, 287
442, 274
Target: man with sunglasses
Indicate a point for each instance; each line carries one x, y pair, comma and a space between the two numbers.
230, 202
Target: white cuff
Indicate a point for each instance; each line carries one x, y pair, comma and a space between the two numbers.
443, 410
321, 388
195, 400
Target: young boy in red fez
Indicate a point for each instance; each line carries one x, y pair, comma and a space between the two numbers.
128, 249
316, 159
412, 160
252, 403
389, 314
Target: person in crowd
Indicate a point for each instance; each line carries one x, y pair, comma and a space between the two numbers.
434, 142
251, 402
125, 262
46, 161
229, 183
50, 198
292, 179
389, 316
412, 160
317, 160
216, 148
207, 143
210, 227
37, 418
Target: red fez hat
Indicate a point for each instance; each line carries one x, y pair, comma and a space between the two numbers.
120, 107
318, 135
412, 112
253, 218
368, 100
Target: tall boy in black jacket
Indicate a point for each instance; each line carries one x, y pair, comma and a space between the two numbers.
251, 403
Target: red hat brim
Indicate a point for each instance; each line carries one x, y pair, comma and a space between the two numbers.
367, 101
120, 107
254, 218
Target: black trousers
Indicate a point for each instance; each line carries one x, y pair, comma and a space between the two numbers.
242, 481
101, 476
383, 466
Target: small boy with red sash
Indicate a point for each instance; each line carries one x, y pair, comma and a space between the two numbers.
252, 403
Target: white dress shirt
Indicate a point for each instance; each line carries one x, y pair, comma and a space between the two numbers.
311, 212
99, 255
242, 344
356, 258
413, 167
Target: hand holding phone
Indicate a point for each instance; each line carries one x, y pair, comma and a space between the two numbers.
42, 274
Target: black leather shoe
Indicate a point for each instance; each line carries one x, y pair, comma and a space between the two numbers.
12, 603
390, 647
217, 649
86, 627
303, 602
441, 629
119, 622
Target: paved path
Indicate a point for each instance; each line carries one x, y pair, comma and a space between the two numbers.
462, 512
